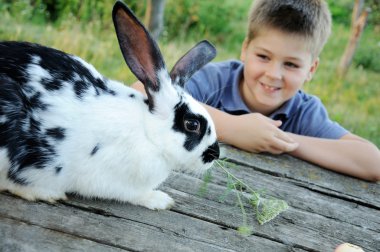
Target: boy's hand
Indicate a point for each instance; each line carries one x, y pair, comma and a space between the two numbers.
257, 133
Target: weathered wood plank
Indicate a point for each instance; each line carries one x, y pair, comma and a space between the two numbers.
294, 228
187, 224
132, 228
326, 209
309, 233
308, 175
314, 229
16, 236
300, 197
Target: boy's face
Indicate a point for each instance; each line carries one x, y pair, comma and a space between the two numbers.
276, 65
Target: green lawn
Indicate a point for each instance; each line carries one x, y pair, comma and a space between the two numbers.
354, 102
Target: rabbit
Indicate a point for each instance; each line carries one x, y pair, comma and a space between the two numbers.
65, 128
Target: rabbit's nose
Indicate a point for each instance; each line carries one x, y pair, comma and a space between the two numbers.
211, 153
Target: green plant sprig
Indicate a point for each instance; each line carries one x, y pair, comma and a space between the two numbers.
265, 209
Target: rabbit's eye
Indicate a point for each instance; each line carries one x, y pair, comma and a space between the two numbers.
192, 125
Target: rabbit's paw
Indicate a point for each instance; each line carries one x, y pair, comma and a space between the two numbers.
39, 195
157, 200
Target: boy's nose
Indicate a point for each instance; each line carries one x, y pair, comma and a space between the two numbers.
274, 71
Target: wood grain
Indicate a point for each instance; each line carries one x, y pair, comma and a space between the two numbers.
326, 209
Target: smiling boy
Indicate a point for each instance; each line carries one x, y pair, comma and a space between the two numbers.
257, 103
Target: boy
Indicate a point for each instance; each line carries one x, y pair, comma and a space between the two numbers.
257, 103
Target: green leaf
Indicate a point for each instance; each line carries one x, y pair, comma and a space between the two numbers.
206, 180
268, 209
245, 230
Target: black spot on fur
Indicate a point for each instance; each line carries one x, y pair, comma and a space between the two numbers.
35, 102
95, 150
97, 92
14, 177
211, 153
57, 133
37, 152
63, 68
34, 126
29, 145
10, 64
51, 84
11, 105
22, 135
182, 112
209, 131
58, 169
80, 87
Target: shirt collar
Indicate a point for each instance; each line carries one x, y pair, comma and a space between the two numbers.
287, 109
235, 104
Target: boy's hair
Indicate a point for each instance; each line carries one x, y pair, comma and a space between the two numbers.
310, 19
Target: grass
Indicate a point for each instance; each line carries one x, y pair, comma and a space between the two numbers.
354, 102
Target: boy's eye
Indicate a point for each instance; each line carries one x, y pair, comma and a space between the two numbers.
262, 56
292, 65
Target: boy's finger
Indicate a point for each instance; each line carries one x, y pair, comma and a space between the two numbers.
347, 247
284, 137
282, 147
286, 145
276, 123
291, 147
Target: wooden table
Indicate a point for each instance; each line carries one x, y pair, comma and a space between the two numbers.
326, 209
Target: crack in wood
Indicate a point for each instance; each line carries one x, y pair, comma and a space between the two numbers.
162, 230
255, 168
309, 186
73, 235
225, 226
336, 195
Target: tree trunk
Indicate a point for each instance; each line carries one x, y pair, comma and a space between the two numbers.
358, 22
154, 17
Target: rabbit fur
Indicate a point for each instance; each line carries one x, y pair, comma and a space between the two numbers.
65, 128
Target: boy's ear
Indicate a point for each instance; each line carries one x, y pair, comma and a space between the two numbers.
243, 49
312, 70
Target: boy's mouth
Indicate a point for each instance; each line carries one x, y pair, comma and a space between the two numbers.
269, 88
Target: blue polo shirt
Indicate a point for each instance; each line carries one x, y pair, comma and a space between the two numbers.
217, 84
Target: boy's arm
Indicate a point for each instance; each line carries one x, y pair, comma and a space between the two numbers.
139, 87
351, 155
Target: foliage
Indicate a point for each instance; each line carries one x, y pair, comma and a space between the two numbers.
265, 208
90, 35
200, 17
42, 11
341, 11
368, 57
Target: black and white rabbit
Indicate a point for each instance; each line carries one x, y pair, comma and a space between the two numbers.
66, 128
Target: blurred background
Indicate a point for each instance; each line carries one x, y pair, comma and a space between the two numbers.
85, 28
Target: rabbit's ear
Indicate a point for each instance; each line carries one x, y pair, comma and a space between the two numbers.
192, 61
140, 51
